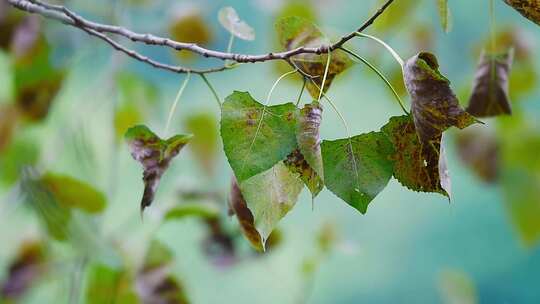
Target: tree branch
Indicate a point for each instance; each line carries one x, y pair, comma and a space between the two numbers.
66, 16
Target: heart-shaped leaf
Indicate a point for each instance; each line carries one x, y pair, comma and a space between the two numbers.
490, 89
245, 218
356, 169
256, 137
434, 106
530, 9
230, 20
154, 154
417, 166
294, 32
270, 195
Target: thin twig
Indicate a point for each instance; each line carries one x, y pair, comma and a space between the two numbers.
69, 17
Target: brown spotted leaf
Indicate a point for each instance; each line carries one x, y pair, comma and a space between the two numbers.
154, 154
417, 166
434, 106
245, 218
297, 164
530, 9
490, 89
294, 32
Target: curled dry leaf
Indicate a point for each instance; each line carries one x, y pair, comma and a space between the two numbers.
530, 9
306, 160
256, 137
434, 106
154, 154
490, 88
356, 169
245, 218
294, 32
229, 19
28, 265
479, 150
417, 166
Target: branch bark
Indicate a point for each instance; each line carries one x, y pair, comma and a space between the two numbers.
66, 16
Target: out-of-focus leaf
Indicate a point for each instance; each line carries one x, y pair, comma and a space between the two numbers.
219, 244
204, 145
479, 150
294, 32
190, 26
417, 166
34, 100
326, 237
434, 106
8, 120
157, 255
21, 152
230, 20
523, 79
157, 286
106, 284
134, 90
293, 8
520, 176
256, 137
356, 169
490, 88
204, 211
23, 271
72, 193
126, 115
270, 195
309, 143
529, 9
395, 15
19, 34
245, 217
54, 216
154, 154
456, 287
445, 15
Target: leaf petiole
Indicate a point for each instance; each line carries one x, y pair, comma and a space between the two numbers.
385, 45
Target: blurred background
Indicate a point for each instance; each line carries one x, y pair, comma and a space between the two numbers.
66, 100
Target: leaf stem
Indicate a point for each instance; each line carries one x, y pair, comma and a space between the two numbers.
275, 84
321, 89
389, 48
212, 89
175, 103
301, 91
379, 73
492, 25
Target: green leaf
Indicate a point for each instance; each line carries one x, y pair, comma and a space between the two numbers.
190, 26
155, 155
434, 106
256, 137
490, 89
204, 145
157, 255
529, 9
520, 176
445, 15
245, 218
72, 193
204, 211
417, 166
294, 32
106, 284
270, 195
356, 169
34, 100
230, 20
